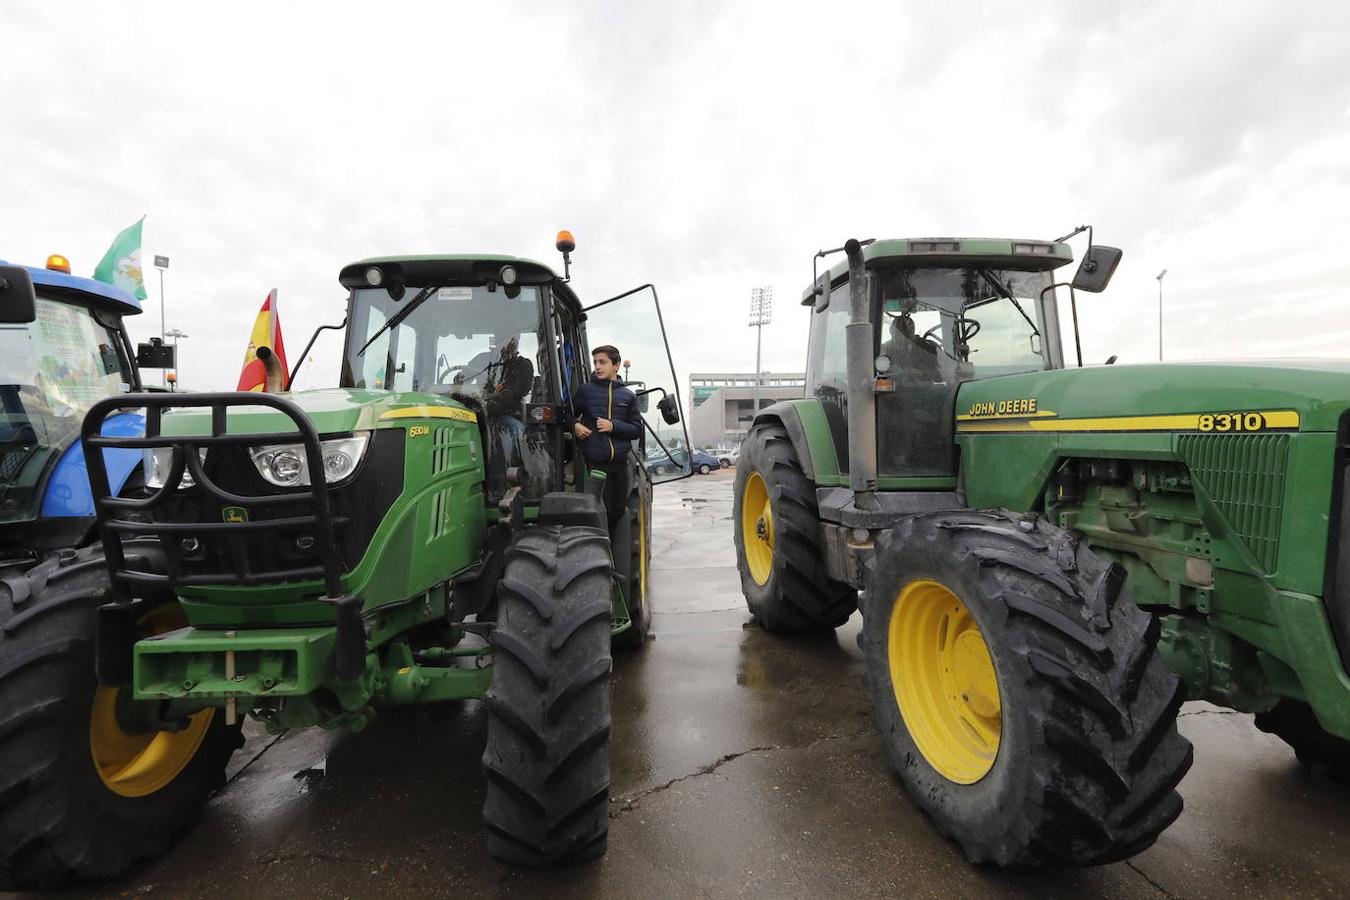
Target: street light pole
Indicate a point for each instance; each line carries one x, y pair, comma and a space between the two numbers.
162, 263
1160, 314
761, 314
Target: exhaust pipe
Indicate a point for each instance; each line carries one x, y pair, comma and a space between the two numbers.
862, 402
274, 376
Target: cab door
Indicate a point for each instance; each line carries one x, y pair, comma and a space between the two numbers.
632, 322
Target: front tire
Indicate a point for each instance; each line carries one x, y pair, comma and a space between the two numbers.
704, 469
777, 528
1019, 692
1294, 722
547, 755
80, 797
632, 542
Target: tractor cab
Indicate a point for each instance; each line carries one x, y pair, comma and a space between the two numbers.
503, 336
943, 312
63, 348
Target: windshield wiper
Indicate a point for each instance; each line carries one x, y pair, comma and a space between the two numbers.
1006, 294
397, 318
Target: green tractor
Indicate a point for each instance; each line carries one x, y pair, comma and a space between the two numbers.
1050, 559
427, 531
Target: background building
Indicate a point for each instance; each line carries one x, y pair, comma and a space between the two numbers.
722, 404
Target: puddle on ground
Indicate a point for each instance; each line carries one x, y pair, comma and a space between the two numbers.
314, 774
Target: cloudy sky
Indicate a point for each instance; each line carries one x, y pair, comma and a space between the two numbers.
707, 147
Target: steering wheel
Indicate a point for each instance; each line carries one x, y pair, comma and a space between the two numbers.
445, 371
930, 337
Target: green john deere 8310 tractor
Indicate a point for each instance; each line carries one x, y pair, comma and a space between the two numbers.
427, 531
1051, 560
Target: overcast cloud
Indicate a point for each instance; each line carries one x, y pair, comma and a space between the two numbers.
705, 147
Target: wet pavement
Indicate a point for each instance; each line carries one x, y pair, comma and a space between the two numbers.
743, 765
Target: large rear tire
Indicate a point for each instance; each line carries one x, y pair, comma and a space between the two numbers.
80, 797
547, 755
1294, 722
777, 532
1019, 691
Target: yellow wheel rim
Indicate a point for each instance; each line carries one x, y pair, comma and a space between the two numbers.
137, 765
944, 681
757, 528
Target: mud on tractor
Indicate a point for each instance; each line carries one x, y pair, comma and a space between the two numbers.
1050, 558
427, 531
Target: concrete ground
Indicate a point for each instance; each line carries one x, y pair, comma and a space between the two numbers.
743, 765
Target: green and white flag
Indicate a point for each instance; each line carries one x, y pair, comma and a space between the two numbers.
121, 266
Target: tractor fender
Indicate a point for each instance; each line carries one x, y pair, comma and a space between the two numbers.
787, 415
68, 492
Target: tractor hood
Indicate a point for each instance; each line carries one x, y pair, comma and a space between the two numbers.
333, 411
1268, 395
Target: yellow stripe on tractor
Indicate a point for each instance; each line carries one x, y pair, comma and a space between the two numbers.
1218, 422
431, 412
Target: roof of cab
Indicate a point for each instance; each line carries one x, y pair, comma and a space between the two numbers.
60, 280
449, 267
947, 251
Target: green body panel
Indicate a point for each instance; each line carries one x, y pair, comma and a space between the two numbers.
1011, 468
434, 530
332, 410
1222, 522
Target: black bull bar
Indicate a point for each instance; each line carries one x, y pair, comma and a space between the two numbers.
117, 620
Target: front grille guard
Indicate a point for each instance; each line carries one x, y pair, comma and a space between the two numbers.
119, 615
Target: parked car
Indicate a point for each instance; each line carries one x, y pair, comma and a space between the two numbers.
728, 457
705, 462
661, 464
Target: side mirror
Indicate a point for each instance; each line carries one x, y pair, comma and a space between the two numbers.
821, 290
670, 410
18, 301
1096, 269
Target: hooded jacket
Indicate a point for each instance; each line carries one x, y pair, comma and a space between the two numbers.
608, 400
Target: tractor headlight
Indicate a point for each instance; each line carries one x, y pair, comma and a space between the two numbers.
285, 465
158, 462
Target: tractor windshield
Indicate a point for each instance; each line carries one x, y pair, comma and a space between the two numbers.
468, 341
478, 346
52, 370
958, 324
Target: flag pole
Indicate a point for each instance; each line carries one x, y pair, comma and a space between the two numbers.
162, 263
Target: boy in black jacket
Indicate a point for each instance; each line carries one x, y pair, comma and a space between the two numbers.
608, 422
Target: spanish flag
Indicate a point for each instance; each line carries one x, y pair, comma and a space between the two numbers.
265, 359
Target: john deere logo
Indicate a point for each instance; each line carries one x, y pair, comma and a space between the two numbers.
233, 515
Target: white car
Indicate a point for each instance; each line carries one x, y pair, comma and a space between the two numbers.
728, 457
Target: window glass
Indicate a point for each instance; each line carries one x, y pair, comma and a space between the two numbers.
939, 327
52, 370
827, 368
480, 347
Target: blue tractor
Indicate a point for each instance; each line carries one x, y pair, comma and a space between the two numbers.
92, 781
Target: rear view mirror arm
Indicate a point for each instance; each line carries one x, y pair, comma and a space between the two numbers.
290, 379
